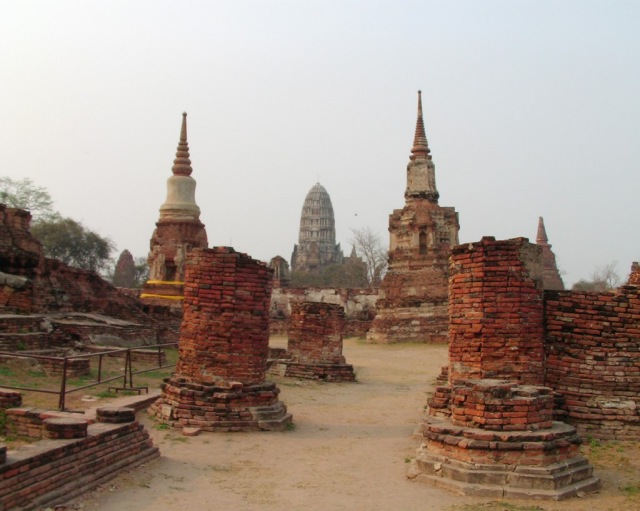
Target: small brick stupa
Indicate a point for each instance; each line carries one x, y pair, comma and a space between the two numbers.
551, 278
413, 295
219, 383
177, 231
314, 348
490, 431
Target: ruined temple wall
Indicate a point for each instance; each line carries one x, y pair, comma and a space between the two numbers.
593, 359
359, 306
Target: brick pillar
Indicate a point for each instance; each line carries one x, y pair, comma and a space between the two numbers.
315, 343
315, 332
219, 383
496, 312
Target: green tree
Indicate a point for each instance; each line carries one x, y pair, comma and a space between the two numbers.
72, 243
25, 194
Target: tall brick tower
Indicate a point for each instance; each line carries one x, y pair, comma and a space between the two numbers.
413, 295
177, 231
551, 278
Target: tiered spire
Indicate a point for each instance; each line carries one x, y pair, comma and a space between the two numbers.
182, 163
420, 144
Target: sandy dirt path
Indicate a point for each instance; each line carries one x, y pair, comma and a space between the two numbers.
348, 451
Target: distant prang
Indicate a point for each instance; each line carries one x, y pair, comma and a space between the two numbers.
316, 248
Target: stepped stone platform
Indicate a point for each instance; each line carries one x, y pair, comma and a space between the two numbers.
83, 455
540, 464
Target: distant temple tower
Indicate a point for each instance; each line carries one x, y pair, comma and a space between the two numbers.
551, 278
177, 231
413, 295
316, 248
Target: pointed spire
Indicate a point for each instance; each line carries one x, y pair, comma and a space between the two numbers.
420, 145
541, 237
182, 163
353, 252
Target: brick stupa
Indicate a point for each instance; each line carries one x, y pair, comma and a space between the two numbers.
490, 432
178, 231
219, 383
413, 295
551, 278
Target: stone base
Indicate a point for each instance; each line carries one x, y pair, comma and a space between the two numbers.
540, 464
230, 406
311, 371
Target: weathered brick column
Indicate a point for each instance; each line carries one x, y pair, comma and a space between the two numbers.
490, 431
219, 383
315, 343
496, 316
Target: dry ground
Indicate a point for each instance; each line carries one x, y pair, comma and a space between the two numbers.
348, 451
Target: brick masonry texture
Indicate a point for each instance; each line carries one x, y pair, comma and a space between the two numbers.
219, 383
496, 311
315, 343
52, 472
490, 431
593, 359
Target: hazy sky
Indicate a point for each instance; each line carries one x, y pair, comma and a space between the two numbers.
532, 108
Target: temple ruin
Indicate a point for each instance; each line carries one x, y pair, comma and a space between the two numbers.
219, 383
314, 347
490, 431
178, 231
413, 295
551, 278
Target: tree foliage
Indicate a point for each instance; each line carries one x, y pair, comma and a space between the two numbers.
72, 243
25, 194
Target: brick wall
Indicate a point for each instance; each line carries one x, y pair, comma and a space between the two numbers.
496, 311
53, 472
593, 359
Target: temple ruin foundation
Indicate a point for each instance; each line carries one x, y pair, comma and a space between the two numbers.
490, 431
219, 383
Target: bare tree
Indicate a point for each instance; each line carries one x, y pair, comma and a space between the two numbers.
369, 247
604, 278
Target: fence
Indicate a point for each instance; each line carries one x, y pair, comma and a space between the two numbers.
69, 363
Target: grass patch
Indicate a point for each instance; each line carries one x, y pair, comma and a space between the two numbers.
106, 394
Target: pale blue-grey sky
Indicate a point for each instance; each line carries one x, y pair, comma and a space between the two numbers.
531, 109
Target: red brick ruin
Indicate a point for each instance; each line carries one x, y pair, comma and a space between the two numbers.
413, 295
314, 347
490, 430
551, 278
219, 383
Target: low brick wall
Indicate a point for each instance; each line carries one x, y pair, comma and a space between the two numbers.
593, 359
52, 472
75, 366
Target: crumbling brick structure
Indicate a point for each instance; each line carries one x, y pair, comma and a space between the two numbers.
219, 383
496, 311
413, 295
490, 430
315, 343
593, 359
